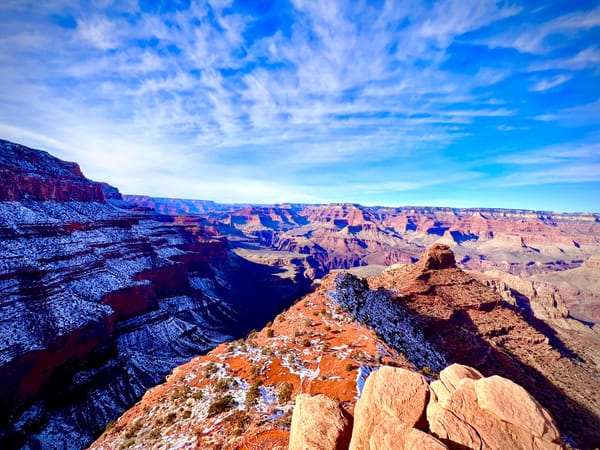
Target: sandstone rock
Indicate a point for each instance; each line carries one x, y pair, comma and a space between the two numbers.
452, 375
387, 435
488, 413
437, 257
417, 440
511, 403
392, 434
389, 393
318, 423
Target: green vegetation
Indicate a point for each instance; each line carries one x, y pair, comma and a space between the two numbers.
240, 419
221, 404
211, 369
170, 418
222, 384
133, 430
253, 394
182, 393
270, 332
285, 394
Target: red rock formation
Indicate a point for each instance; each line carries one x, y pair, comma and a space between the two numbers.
469, 411
315, 348
471, 325
319, 423
36, 175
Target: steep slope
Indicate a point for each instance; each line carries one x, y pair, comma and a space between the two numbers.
97, 303
421, 317
472, 325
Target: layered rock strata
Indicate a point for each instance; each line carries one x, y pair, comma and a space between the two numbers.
97, 303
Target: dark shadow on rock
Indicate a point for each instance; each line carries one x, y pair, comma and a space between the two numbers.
457, 338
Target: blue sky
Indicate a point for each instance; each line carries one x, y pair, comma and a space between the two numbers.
453, 103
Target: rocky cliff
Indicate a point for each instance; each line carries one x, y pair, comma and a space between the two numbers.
418, 318
29, 174
98, 303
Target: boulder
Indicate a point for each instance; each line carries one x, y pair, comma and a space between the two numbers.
469, 411
319, 423
389, 393
392, 434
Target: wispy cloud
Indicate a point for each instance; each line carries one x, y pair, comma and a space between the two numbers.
549, 83
536, 37
270, 97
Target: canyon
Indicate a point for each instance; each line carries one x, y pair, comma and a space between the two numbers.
103, 295
99, 302
419, 318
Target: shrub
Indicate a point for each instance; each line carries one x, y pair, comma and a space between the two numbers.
197, 395
182, 393
285, 394
267, 351
426, 370
221, 404
305, 342
155, 433
350, 367
253, 394
186, 414
270, 332
285, 421
170, 418
133, 430
222, 384
211, 368
128, 443
240, 419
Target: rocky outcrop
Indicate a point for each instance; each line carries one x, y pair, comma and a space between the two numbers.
437, 257
29, 174
313, 348
469, 411
319, 423
391, 396
465, 411
468, 323
175, 207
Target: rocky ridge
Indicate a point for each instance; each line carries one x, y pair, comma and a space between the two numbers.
241, 394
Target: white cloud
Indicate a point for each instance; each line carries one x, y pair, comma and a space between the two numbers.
549, 83
134, 96
535, 37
